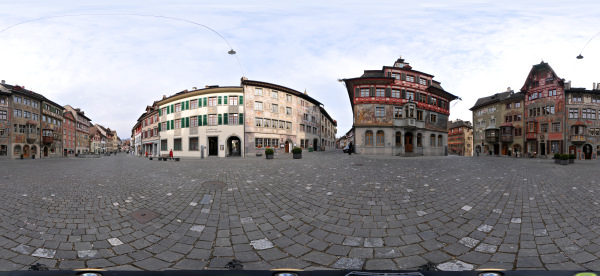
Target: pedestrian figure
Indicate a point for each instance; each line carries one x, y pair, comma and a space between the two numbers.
350, 148
171, 153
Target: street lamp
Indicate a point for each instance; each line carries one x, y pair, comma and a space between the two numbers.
580, 56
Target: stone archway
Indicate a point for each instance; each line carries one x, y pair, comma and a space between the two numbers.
234, 146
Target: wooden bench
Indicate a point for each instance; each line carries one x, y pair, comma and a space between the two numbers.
165, 157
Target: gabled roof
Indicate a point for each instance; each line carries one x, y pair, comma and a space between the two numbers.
459, 123
481, 102
280, 88
22, 91
536, 69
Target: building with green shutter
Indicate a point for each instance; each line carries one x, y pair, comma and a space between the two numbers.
202, 122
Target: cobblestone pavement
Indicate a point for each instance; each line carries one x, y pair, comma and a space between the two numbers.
326, 210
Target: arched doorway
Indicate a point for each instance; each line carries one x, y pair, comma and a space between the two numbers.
45, 151
234, 146
408, 142
33, 150
287, 146
26, 151
587, 151
316, 144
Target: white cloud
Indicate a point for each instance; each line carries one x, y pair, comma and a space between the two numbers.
113, 66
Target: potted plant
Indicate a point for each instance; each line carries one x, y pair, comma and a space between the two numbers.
557, 158
310, 149
571, 158
564, 159
297, 153
269, 153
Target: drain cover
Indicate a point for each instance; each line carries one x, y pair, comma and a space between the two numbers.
143, 216
215, 185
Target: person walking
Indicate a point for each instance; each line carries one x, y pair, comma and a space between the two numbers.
350, 148
171, 153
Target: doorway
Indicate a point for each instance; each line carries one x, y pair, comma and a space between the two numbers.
587, 151
542, 149
233, 146
45, 151
504, 149
213, 146
496, 149
26, 151
316, 144
408, 142
287, 147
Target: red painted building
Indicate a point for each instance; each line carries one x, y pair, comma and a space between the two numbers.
544, 111
69, 134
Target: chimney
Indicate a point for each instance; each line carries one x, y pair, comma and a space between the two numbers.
598, 86
194, 88
164, 97
594, 86
3, 82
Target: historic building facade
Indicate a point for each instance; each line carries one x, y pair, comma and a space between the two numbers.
51, 128
150, 134
582, 123
512, 139
487, 118
5, 121
282, 118
544, 111
399, 111
68, 133
460, 138
82, 130
203, 122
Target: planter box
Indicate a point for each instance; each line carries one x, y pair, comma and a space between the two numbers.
297, 155
564, 162
269, 156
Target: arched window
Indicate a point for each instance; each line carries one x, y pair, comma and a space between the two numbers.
440, 139
380, 138
419, 140
398, 138
369, 138
432, 140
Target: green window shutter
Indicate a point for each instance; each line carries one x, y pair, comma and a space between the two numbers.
187, 121
225, 100
241, 100
159, 125
199, 120
168, 126
204, 119
219, 100
187, 105
225, 119
220, 119
241, 116
172, 124
159, 112
205, 102
172, 108
199, 102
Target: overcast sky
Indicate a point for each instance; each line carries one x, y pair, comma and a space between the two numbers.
112, 65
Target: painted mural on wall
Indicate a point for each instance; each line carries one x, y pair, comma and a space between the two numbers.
441, 123
365, 115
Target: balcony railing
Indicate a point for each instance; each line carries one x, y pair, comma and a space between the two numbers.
491, 139
32, 138
506, 138
578, 139
47, 139
531, 136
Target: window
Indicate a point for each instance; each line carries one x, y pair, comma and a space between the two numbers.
3, 115
432, 140
274, 94
258, 142
258, 106
544, 127
410, 78
419, 140
212, 119
420, 115
508, 105
177, 123
395, 93
379, 111
369, 138
288, 110
258, 122
433, 118
423, 81
274, 125
517, 104
267, 122
410, 95
288, 97
233, 100
193, 143
397, 112
233, 119
517, 118
281, 124
398, 138
551, 93
440, 140
274, 108
380, 138
595, 99
380, 92
178, 107
258, 91
492, 122
364, 92
164, 126
193, 121
507, 118
177, 144
396, 76
577, 98
194, 104
573, 113
288, 125
212, 101
164, 111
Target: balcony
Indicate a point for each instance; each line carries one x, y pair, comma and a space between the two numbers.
47, 139
410, 123
506, 138
578, 139
531, 136
491, 139
32, 138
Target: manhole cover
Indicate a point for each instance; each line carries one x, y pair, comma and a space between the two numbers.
214, 185
143, 216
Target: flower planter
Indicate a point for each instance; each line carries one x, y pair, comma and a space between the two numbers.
269, 156
297, 155
564, 162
